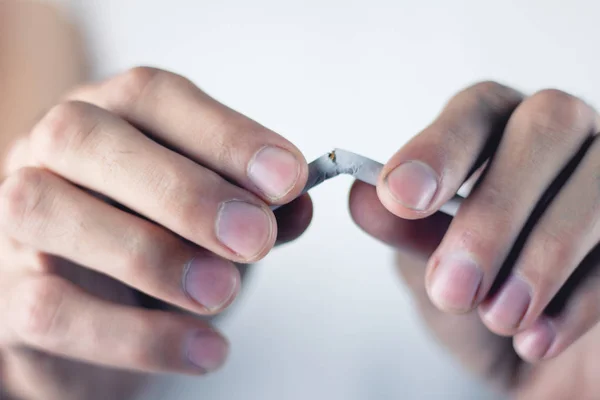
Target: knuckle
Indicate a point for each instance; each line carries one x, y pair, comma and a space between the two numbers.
128, 88
586, 308
86, 92
147, 350
557, 248
57, 130
134, 259
551, 255
491, 196
21, 196
488, 88
187, 210
142, 249
227, 133
42, 263
226, 152
140, 355
18, 156
138, 78
77, 92
556, 98
179, 193
556, 112
493, 97
164, 181
36, 308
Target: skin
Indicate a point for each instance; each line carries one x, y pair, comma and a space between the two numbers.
139, 187
510, 285
133, 185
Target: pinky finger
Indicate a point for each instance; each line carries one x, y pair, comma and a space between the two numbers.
553, 333
52, 315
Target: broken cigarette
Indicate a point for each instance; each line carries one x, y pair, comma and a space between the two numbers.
342, 162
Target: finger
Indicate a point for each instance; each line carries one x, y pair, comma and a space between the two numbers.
50, 314
564, 235
553, 333
51, 215
18, 156
463, 335
419, 237
429, 170
542, 136
58, 378
293, 219
92, 148
175, 112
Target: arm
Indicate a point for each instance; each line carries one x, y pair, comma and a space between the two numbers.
40, 58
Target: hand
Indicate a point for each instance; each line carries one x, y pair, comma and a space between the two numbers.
140, 183
510, 284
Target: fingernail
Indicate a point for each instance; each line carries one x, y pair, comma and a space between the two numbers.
244, 228
413, 184
208, 351
510, 304
455, 283
274, 171
211, 281
533, 344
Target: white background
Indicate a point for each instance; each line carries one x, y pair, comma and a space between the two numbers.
325, 317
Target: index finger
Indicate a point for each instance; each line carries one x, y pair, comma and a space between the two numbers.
176, 113
431, 168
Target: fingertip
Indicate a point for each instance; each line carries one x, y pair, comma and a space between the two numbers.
212, 282
453, 282
247, 230
504, 311
208, 351
279, 172
535, 343
409, 189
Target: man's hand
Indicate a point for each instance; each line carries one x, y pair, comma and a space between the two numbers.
518, 262
154, 186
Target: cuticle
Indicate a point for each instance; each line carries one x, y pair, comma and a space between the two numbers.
186, 270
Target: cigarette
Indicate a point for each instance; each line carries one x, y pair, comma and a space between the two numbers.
342, 162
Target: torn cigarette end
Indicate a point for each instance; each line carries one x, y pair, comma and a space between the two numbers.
332, 155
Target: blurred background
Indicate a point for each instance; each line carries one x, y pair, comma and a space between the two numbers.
326, 317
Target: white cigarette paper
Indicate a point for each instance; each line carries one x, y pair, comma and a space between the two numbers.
342, 162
